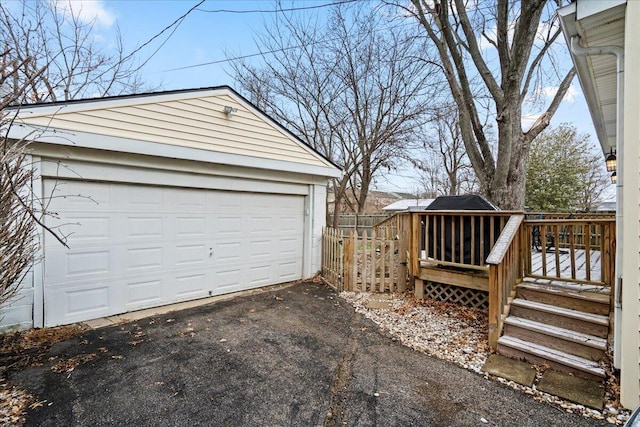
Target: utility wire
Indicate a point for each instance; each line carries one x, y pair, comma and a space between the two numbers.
175, 23
292, 9
267, 52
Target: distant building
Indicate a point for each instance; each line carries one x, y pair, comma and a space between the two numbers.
405, 204
606, 207
376, 201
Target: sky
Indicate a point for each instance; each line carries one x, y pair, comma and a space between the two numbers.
194, 53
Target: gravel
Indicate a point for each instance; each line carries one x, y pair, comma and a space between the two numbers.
459, 335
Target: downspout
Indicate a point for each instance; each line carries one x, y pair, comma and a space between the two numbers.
578, 50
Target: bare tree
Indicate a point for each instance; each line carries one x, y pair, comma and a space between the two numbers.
518, 38
57, 57
351, 89
17, 225
47, 53
445, 169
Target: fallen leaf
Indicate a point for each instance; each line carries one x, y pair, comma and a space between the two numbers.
252, 310
136, 342
171, 320
36, 404
159, 383
117, 356
279, 298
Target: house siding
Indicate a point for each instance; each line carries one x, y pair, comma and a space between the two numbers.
197, 122
630, 343
17, 313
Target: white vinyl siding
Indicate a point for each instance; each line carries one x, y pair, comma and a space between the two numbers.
194, 123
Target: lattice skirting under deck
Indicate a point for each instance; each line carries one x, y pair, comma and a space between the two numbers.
457, 295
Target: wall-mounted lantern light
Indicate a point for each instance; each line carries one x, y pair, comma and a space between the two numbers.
228, 111
611, 161
614, 177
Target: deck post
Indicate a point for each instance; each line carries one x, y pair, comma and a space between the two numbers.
494, 306
414, 266
419, 289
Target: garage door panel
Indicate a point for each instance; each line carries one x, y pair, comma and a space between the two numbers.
77, 266
227, 280
190, 286
144, 198
186, 200
229, 225
147, 246
88, 228
260, 249
259, 225
190, 227
144, 293
145, 227
76, 303
144, 258
260, 274
187, 255
288, 247
229, 252
288, 270
94, 262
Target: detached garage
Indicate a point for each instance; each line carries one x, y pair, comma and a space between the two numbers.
165, 197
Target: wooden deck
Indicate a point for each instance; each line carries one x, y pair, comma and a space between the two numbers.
590, 261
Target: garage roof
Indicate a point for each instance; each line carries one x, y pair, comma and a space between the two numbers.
190, 124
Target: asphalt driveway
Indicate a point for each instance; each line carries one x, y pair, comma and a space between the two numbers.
297, 356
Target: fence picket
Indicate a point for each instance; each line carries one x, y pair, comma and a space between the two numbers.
361, 263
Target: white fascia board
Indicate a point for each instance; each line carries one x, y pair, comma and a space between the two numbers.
124, 101
125, 145
586, 9
569, 25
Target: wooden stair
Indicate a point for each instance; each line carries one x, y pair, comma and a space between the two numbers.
564, 325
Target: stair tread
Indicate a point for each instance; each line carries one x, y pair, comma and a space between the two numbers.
588, 293
558, 332
598, 319
558, 356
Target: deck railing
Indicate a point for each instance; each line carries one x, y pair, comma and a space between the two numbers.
397, 225
459, 239
503, 244
506, 270
571, 250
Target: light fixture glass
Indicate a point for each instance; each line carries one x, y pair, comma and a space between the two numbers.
611, 161
614, 177
229, 110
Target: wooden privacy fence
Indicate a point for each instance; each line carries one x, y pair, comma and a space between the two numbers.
362, 263
358, 222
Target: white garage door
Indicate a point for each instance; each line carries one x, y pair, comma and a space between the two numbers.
135, 246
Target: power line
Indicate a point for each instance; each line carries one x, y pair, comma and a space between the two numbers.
262, 53
237, 58
292, 9
168, 27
